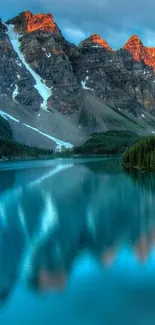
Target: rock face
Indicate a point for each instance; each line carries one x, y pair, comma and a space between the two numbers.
26, 22
46, 51
90, 86
95, 41
116, 77
136, 81
13, 74
140, 52
48, 58
43, 22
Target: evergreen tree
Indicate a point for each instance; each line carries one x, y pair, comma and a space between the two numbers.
141, 155
152, 160
148, 161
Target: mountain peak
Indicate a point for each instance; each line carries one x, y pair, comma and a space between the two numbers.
28, 22
135, 47
134, 40
95, 40
44, 22
27, 12
140, 52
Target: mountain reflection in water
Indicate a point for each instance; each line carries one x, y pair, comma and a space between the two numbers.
52, 215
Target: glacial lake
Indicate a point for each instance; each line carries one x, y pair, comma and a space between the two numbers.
77, 243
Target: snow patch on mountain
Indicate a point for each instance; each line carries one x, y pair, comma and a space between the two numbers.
48, 55
3, 95
83, 83
43, 90
58, 142
8, 116
15, 93
97, 46
18, 63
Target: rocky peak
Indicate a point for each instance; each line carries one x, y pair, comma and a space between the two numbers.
44, 22
140, 52
133, 41
28, 22
95, 41
134, 47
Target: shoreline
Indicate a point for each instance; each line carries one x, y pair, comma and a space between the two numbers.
56, 156
137, 168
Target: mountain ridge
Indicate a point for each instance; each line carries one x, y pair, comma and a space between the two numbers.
45, 18
140, 52
96, 41
29, 22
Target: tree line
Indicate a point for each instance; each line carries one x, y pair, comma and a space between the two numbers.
141, 155
10, 149
108, 143
5, 129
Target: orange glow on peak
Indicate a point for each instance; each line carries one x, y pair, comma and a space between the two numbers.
140, 52
96, 41
44, 22
99, 41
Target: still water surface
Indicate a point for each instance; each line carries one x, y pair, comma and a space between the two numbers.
77, 244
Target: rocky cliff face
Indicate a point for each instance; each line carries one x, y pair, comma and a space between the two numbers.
116, 77
140, 52
46, 51
95, 41
76, 86
26, 22
13, 76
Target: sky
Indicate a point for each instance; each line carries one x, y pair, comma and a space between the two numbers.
114, 20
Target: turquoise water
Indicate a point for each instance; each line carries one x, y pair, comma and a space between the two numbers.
77, 243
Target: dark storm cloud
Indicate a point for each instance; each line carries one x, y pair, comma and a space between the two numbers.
114, 20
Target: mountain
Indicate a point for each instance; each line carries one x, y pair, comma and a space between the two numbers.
95, 41
55, 94
140, 52
26, 22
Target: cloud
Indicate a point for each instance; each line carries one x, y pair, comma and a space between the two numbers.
149, 37
74, 34
114, 20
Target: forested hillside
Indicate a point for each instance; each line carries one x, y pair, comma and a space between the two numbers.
108, 143
141, 155
10, 149
5, 129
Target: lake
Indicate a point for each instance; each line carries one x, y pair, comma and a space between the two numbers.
77, 243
